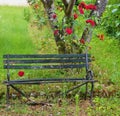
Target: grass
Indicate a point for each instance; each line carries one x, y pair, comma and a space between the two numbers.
16, 38
106, 52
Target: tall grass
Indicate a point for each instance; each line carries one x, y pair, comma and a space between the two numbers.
14, 36
107, 58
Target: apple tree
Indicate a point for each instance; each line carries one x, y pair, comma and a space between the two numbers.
72, 21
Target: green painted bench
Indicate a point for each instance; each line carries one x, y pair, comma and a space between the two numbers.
48, 61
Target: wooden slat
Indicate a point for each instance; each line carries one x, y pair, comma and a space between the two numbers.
60, 80
44, 55
44, 66
46, 79
29, 61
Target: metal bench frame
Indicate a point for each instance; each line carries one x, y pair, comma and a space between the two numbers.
48, 61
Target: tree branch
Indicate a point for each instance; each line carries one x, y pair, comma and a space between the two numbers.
101, 5
70, 8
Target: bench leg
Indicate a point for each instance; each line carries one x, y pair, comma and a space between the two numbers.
79, 85
19, 91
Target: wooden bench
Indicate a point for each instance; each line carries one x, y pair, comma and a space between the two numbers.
48, 61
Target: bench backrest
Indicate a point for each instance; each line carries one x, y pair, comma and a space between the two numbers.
46, 61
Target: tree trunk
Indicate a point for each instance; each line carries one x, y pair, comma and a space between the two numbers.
50, 10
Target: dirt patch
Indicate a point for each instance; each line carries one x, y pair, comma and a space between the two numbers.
84, 105
48, 109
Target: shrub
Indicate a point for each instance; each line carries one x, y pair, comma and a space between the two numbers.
111, 20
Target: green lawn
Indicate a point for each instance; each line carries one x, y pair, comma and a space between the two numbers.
16, 36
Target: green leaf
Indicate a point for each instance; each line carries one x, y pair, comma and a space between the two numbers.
114, 10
